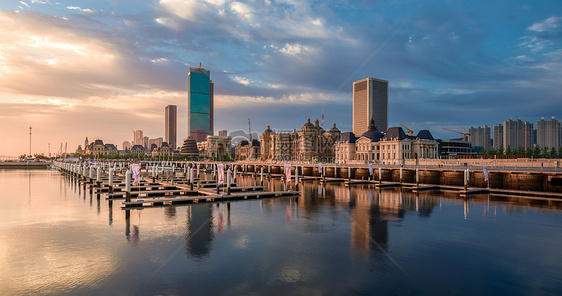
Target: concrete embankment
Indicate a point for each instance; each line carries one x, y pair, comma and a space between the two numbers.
24, 165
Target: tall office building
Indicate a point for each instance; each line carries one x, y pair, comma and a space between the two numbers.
200, 107
138, 138
171, 125
548, 133
370, 100
480, 136
498, 136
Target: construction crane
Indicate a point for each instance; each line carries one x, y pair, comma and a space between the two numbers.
410, 130
464, 133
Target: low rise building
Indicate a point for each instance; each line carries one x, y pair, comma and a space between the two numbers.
215, 146
248, 150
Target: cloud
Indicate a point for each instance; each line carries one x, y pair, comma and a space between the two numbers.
26, 5
548, 24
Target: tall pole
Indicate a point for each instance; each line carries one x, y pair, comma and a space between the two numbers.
30, 141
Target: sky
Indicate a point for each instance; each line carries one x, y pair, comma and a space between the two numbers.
101, 69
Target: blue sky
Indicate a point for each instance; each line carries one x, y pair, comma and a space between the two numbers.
101, 69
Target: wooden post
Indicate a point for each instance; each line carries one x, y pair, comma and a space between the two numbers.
228, 182
111, 180
417, 177
380, 175
400, 175
128, 186
261, 176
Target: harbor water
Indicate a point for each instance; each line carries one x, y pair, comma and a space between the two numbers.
56, 238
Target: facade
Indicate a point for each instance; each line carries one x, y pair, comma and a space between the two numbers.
311, 143
171, 125
480, 136
138, 150
548, 133
528, 135
370, 101
498, 136
223, 133
137, 138
98, 148
452, 148
394, 147
164, 150
215, 146
246, 151
199, 103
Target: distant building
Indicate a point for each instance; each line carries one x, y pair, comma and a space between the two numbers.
517, 133
138, 150
222, 133
126, 145
98, 148
158, 142
137, 138
200, 95
480, 136
215, 146
498, 136
452, 148
370, 101
145, 142
311, 143
164, 150
548, 133
248, 151
189, 147
373, 146
170, 125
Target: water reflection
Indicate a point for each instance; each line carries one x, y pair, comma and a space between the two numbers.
199, 235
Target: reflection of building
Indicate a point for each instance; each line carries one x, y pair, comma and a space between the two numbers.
246, 151
370, 100
311, 143
199, 103
170, 125
199, 237
393, 147
215, 146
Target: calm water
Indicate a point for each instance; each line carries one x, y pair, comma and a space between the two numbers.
57, 239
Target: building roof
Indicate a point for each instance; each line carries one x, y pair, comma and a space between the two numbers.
425, 134
372, 132
334, 130
268, 130
395, 133
347, 137
98, 142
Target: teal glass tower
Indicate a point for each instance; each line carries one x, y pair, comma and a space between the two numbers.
199, 103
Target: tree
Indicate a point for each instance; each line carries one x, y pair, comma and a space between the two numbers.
482, 152
545, 152
537, 152
519, 150
553, 153
501, 150
492, 151
560, 152
508, 150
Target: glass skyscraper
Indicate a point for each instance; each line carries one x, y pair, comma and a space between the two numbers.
199, 103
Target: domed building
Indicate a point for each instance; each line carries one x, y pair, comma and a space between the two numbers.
394, 147
311, 143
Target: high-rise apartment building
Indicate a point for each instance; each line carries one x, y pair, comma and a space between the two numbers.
518, 133
145, 142
548, 133
200, 95
512, 133
498, 136
528, 135
138, 138
171, 125
126, 145
370, 100
480, 136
